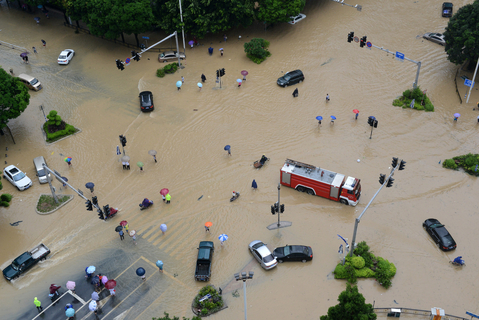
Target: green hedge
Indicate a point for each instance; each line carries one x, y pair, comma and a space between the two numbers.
421, 101
160, 73
469, 162
171, 68
69, 129
257, 50
6, 197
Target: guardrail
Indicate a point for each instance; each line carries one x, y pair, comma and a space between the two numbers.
12, 46
417, 312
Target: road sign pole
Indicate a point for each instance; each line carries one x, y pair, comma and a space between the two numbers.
473, 78
417, 74
49, 179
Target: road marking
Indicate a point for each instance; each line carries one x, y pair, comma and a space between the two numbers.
158, 299
177, 248
151, 231
77, 297
168, 275
122, 315
172, 236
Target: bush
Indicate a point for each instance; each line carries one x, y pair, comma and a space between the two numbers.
69, 129
357, 262
365, 273
54, 118
340, 272
4, 204
256, 50
204, 311
362, 250
160, 73
449, 163
6, 197
421, 101
171, 68
384, 272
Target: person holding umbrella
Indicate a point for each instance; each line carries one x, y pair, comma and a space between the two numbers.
69, 311
141, 272
132, 235
68, 160
332, 119
203, 79
93, 306
71, 286
95, 296
356, 111
244, 73
319, 118
110, 285
223, 237
207, 226
228, 148
90, 271
159, 264
163, 228
163, 193
153, 153
178, 85
456, 115
140, 164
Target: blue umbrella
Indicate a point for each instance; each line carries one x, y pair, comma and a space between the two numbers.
95, 280
223, 237
159, 264
140, 272
90, 269
319, 118
178, 84
333, 118
239, 80
64, 179
200, 85
37, 18
70, 312
457, 115
163, 227
191, 42
227, 147
89, 185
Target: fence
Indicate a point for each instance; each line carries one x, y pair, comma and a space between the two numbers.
12, 46
418, 312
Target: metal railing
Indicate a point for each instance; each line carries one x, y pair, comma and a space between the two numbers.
4, 44
417, 312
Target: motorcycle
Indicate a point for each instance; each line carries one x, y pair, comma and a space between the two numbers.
236, 196
458, 261
146, 204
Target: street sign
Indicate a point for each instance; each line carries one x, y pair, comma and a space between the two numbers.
127, 61
469, 83
399, 56
147, 38
356, 39
369, 44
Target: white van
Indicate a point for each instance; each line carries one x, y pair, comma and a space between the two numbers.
30, 82
41, 174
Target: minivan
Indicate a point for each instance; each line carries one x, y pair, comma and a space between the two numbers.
41, 174
30, 82
291, 78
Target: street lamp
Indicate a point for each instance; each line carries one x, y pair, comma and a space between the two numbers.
244, 277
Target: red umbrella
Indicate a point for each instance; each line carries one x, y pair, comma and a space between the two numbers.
164, 191
54, 288
123, 223
356, 111
244, 73
110, 284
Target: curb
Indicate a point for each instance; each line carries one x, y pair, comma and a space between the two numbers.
60, 195
50, 143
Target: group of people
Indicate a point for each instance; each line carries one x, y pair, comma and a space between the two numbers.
126, 165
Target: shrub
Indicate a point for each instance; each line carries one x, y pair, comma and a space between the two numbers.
160, 73
421, 101
384, 272
54, 118
69, 129
365, 273
256, 50
397, 103
204, 311
362, 250
6, 197
352, 278
171, 68
470, 160
449, 163
357, 262
4, 204
340, 272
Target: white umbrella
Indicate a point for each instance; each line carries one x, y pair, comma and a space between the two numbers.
223, 237
92, 306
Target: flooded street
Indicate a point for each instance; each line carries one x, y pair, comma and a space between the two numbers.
258, 118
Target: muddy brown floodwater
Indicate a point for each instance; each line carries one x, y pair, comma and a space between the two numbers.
258, 118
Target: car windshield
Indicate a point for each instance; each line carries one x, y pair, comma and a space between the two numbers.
436, 225
19, 176
287, 77
162, 55
62, 57
41, 172
34, 81
268, 258
257, 245
15, 265
287, 250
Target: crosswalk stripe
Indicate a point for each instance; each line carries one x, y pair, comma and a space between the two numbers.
186, 241
172, 236
151, 231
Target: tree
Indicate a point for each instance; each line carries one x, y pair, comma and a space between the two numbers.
462, 34
272, 11
257, 50
351, 306
14, 98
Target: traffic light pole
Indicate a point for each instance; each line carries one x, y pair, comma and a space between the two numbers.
279, 206
358, 7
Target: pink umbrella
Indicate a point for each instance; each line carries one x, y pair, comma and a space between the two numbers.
164, 191
356, 111
244, 73
71, 285
104, 279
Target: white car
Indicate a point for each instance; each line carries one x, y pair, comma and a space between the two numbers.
296, 19
66, 56
17, 177
261, 252
435, 37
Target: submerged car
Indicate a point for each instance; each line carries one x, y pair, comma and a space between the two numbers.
435, 37
447, 9
170, 55
66, 56
146, 101
293, 253
291, 78
17, 177
439, 234
296, 19
261, 252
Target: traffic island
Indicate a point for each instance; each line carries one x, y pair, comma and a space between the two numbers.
56, 129
415, 99
46, 204
468, 162
207, 302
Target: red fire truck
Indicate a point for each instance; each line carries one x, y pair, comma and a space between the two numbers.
321, 182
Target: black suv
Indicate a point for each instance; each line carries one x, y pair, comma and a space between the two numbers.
146, 101
291, 78
447, 9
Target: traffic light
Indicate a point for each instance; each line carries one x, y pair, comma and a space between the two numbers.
394, 163
390, 183
402, 165
100, 215
350, 36
89, 206
119, 64
106, 210
371, 120
95, 201
282, 208
382, 177
273, 211
222, 72
135, 56
375, 123
217, 73
361, 42
365, 40
123, 140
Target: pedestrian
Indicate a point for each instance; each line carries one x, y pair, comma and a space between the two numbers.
225, 37
68, 306
122, 236
34, 50
455, 118
295, 93
127, 227
254, 185
203, 79
239, 84
154, 157
127, 165
26, 59
88, 275
179, 88
100, 276
477, 119
141, 169
332, 121
23, 58
112, 292
38, 304
69, 163
222, 242
319, 121
244, 77
95, 296
229, 151
207, 229
143, 277
159, 263
164, 198
124, 165
134, 238
182, 79
327, 97
210, 51
11, 72
357, 114
168, 198
44, 43
221, 51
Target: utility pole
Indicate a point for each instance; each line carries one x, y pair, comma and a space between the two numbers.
244, 277
278, 208
358, 7
182, 27
472, 84
52, 189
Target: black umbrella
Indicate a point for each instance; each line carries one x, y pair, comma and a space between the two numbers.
95, 280
118, 228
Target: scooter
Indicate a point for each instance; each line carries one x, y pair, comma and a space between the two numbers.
236, 196
458, 261
143, 207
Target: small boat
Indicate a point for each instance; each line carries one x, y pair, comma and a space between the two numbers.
257, 164
236, 196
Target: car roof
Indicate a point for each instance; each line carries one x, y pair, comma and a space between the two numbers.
12, 169
294, 72
65, 51
263, 251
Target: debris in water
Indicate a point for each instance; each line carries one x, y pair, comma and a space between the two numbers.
195, 109
200, 197
15, 224
439, 161
395, 302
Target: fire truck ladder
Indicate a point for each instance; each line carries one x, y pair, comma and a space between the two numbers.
301, 164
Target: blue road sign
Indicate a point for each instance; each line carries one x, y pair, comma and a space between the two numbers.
399, 55
147, 38
472, 314
369, 44
469, 83
127, 60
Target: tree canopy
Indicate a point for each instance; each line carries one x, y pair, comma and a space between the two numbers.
462, 34
351, 306
272, 11
14, 98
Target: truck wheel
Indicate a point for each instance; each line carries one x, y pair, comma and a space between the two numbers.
300, 188
344, 201
310, 191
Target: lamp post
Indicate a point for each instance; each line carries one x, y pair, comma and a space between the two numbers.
244, 277
182, 27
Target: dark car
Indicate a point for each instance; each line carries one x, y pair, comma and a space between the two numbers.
439, 234
447, 9
146, 101
293, 253
291, 78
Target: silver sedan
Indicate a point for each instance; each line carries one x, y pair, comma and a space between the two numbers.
435, 37
261, 252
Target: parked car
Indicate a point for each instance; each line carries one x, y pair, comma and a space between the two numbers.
66, 56
25, 261
439, 234
31, 82
204, 260
170, 55
296, 19
435, 37
291, 78
293, 253
146, 101
17, 177
261, 252
41, 174
447, 9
